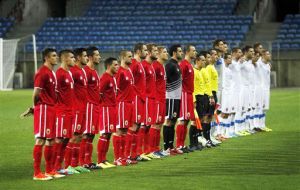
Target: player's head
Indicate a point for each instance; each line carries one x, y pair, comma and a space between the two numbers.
152, 51
140, 49
126, 57
162, 53
93, 55
248, 52
81, 55
190, 51
227, 58
214, 55
266, 55
111, 65
67, 57
258, 48
200, 60
175, 51
237, 53
225, 47
255, 57
219, 45
50, 56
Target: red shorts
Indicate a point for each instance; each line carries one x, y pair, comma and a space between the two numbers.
150, 111
107, 119
91, 121
44, 121
63, 125
78, 123
186, 107
125, 115
160, 112
138, 110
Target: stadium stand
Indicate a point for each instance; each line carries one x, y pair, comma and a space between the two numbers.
288, 37
5, 25
119, 24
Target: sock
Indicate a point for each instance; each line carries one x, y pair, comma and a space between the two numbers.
140, 140
134, 145
122, 146
117, 146
166, 136
152, 140
157, 140
59, 149
192, 134
172, 136
106, 149
179, 135
184, 135
82, 151
37, 157
75, 154
54, 154
101, 146
128, 143
88, 151
68, 154
48, 156
146, 140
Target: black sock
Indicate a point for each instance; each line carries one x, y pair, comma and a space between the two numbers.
172, 136
166, 135
208, 130
192, 134
205, 127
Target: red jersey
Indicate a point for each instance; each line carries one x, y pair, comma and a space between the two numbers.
65, 86
107, 90
80, 88
150, 79
139, 77
187, 73
125, 86
45, 80
160, 74
92, 85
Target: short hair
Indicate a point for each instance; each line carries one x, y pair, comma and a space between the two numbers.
246, 48
226, 55
202, 53
187, 48
90, 50
138, 46
264, 51
216, 42
46, 52
160, 48
255, 45
123, 53
210, 51
79, 51
64, 51
235, 49
150, 46
109, 61
173, 49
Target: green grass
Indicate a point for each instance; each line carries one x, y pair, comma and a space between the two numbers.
261, 161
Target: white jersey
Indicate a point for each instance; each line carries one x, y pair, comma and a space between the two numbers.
265, 71
227, 79
236, 75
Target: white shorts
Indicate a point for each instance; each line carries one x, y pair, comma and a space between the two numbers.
226, 102
265, 99
257, 97
245, 98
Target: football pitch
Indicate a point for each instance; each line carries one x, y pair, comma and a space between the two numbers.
261, 161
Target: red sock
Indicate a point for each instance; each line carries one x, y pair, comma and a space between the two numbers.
101, 146
134, 145
116, 145
157, 139
88, 151
146, 142
152, 140
106, 149
68, 154
140, 140
128, 143
122, 146
75, 154
48, 156
59, 150
184, 135
37, 157
82, 152
179, 135
53, 159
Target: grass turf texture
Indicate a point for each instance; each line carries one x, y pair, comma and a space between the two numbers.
261, 161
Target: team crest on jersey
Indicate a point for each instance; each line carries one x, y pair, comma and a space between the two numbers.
110, 84
93, 78
139, 117
150, 72
127, 78
257, 104
161, 73
178, 70
78, 127
67, 80
111, 126
141, 71
190, 71
174, 114
65, 131
159, 118
81, 78
50, 79
149, 119
232, 108
226, 109
126, 122
93, 128
48, 131
264, 106
188, 114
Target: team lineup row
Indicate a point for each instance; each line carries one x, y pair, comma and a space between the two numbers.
221, 95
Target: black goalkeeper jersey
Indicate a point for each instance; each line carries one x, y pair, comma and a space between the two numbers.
174, 81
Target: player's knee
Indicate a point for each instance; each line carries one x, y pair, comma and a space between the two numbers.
40, 141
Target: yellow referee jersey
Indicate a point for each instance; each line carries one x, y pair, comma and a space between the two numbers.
213, 75
207, 82
198, 84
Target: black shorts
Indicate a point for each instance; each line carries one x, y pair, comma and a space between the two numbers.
172, 109
212, 108
215, 96
202, 104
